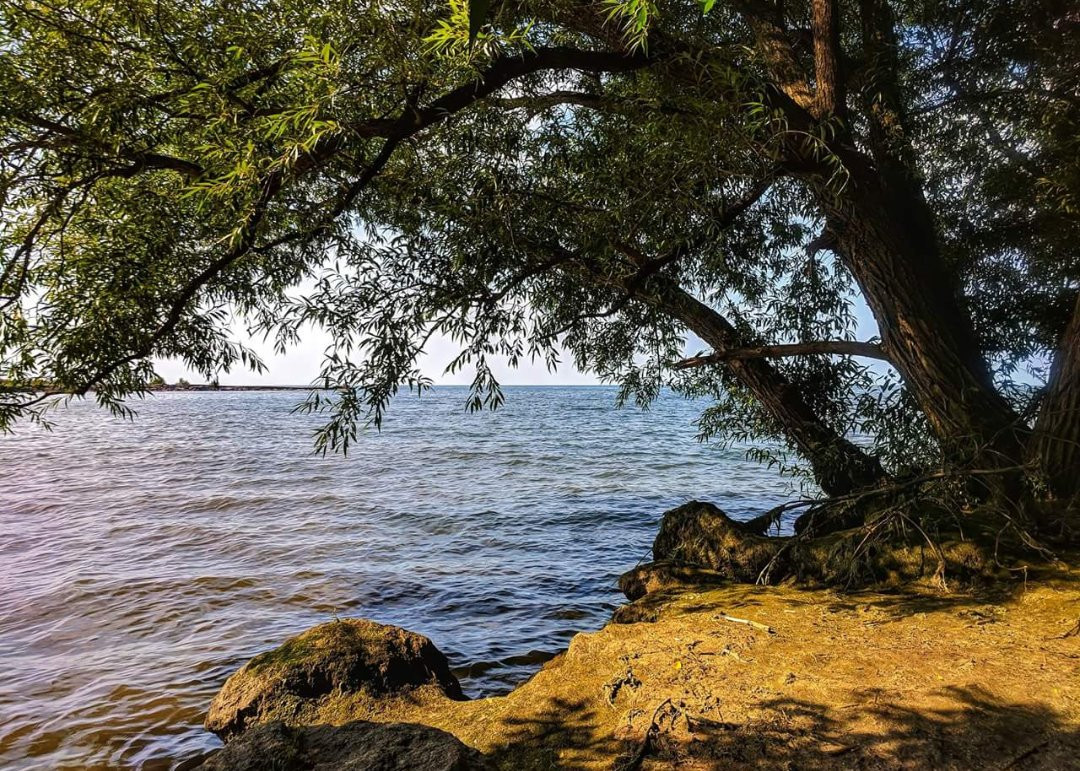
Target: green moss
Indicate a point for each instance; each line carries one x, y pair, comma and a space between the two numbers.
292, 651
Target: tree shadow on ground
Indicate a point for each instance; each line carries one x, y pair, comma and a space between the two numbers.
562, 734
962, 728
952, 728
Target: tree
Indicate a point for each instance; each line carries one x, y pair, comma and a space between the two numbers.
608, 179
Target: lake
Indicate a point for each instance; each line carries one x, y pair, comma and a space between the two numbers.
142, 563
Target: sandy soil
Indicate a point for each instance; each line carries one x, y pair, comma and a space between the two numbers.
819, 680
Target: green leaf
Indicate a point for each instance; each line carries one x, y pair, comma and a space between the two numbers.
478, 11
707, 5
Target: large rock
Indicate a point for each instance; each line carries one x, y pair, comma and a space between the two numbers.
359, 746
352, 657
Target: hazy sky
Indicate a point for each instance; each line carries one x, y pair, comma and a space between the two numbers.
301, 364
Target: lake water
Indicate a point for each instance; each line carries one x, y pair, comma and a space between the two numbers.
142, 563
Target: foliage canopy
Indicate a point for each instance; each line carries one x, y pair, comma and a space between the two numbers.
529, 175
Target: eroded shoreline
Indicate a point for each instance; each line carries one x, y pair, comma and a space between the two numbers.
707, 675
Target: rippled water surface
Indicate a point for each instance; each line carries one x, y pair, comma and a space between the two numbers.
142, 563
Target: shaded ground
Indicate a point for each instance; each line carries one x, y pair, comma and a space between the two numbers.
864, 680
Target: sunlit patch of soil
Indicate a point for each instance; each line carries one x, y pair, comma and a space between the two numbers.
819, 679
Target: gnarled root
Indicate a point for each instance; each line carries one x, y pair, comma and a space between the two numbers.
883, 550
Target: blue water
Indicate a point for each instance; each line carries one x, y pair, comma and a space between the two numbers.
142, 563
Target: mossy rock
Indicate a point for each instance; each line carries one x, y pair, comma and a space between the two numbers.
701, 534
357, 746
352, 656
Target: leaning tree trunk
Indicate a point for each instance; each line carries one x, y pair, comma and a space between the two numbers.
886, 237
839, 466
1056, 441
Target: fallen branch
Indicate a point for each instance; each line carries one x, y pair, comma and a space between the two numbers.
1073, 632
634, 761
755, 624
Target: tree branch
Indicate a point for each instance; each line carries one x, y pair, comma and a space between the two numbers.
724, 218
842, 347
501, 72
600, 102
140, 159
552, 99
825, 23
395, 130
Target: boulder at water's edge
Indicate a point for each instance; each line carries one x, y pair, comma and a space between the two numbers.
650, 577
698, 533
354, 657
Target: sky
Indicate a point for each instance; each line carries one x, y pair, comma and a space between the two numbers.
300, 365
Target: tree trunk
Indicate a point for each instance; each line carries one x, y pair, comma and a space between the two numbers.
839, 466
882, 228
887, 239
1056, 442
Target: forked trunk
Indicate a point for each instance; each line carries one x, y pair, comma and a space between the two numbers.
888, 239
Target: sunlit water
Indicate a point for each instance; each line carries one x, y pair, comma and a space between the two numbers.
142, 563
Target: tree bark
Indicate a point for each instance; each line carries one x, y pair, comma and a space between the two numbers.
886, 237
885, 233
828, 80
1056, 442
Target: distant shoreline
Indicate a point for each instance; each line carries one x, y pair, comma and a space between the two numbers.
205, 387
202, 387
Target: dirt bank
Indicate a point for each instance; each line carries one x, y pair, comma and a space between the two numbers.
817, 679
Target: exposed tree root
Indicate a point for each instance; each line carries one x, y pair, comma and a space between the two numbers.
698, 543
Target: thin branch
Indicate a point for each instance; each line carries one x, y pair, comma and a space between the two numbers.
541, 102
552, 99
504, 70
842, 347
533, 270
140, 159
724, 218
